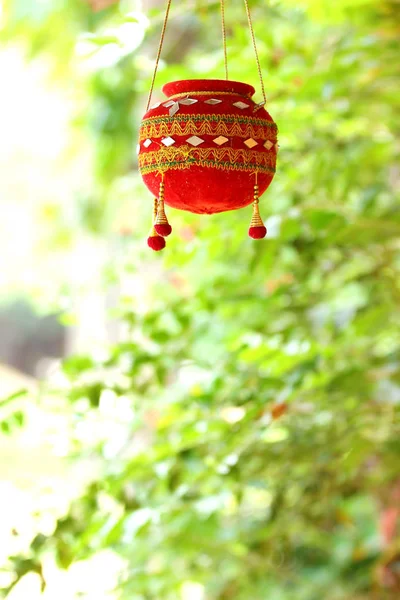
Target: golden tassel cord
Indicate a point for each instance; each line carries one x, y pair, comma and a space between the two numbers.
155, 241
161, 216
161, 224
153, 232
257, 229
256, 220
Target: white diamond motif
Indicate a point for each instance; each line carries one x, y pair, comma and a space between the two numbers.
220, 140
138, 149
188, 101
169, 103
250, 143
195, 141
241, 105
174, 109
212, 101
147, 143
168, 141
155, 105
268, 145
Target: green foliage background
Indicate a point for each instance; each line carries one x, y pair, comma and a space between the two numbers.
265, 377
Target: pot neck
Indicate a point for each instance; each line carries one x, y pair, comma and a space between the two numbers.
210, 87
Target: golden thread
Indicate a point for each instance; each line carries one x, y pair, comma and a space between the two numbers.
209, 164
153, 232
219, 158
253, 37
169, 126
161, 43
228, 117
232, 154
224, 38
158, 54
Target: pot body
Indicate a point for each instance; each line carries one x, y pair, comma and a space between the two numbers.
207, 141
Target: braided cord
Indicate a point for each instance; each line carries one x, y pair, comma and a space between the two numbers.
253, 37
160, 46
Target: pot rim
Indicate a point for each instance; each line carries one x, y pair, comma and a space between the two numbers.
183, 86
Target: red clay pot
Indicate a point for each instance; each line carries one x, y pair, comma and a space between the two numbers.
207, 141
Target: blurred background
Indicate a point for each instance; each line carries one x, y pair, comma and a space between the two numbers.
221, 420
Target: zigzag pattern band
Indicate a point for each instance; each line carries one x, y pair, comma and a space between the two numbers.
218, 158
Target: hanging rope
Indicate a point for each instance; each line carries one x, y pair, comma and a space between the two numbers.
253, 37
160, 46
224, 38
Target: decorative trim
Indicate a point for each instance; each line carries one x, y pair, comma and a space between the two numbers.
197, 124
227, 159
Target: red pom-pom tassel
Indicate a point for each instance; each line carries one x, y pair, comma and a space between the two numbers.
257, 233
156, 242
163, 229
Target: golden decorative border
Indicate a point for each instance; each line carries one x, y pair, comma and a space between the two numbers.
227, 159
198, 124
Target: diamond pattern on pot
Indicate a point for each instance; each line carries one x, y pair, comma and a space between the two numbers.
220, 140
268, 145
147, 143
195, 141
212, 101
155, 105
168, 141
241, 105
188, 101
169, 103
250, 143
174, 109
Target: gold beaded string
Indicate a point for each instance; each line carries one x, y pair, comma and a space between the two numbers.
159, 53
256, 197
155, 208
153, 232
161, 196
253, 37
224, 38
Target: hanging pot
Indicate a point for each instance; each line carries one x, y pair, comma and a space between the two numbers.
207, 142
207, 148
